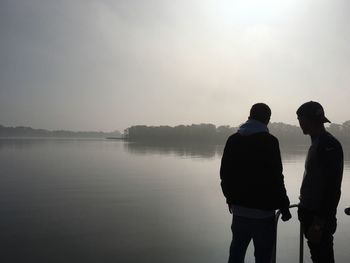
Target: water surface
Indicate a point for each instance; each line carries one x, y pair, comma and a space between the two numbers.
87, 201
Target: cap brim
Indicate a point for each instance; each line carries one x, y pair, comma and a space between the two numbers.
326, 120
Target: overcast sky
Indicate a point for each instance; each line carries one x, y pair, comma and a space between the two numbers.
109, 64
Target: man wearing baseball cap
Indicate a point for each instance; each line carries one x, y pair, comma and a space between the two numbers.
320, 189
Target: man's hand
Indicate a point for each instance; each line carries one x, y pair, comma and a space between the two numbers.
286, 215
347, 211
314, 233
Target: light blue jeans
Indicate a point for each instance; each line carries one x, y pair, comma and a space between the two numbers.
262, 231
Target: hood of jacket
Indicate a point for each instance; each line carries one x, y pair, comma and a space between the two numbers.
251, 127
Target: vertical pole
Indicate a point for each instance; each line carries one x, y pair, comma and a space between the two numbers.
301, 239
274, 251
301, 245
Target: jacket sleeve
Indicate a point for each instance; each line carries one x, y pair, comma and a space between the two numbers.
225, 171
331, 158
283, 199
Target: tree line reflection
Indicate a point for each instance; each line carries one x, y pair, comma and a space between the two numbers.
290, 152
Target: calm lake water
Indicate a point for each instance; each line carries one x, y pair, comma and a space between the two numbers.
104, 201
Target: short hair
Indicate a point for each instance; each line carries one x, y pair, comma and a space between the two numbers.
260, 112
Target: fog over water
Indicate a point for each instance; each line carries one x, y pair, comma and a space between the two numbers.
66, 200
107, 65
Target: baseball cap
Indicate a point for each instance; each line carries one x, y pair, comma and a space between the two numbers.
313, 111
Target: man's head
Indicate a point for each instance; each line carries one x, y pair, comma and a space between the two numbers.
311, 117
260, 112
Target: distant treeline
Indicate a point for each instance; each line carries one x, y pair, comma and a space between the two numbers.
195, 133
30, 132
209, 133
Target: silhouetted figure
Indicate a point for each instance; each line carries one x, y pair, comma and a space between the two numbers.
320, 189
347, 211
253, 184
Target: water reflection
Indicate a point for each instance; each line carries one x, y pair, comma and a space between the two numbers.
289, 152
207, 151
64, 200
29, 143
20, 143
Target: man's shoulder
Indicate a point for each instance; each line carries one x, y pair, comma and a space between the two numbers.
328, 142
268, 137
328, 139
262, 136
272, 137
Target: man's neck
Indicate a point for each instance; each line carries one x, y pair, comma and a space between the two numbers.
317, 132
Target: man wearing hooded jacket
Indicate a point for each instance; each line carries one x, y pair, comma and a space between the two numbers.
253, 184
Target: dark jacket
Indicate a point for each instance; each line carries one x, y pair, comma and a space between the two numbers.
251, 172
320, 190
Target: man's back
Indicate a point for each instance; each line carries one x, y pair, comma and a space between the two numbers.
251, 172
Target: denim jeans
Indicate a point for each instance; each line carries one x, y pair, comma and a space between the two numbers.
262, 231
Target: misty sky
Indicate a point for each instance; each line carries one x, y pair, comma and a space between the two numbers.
109, 64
